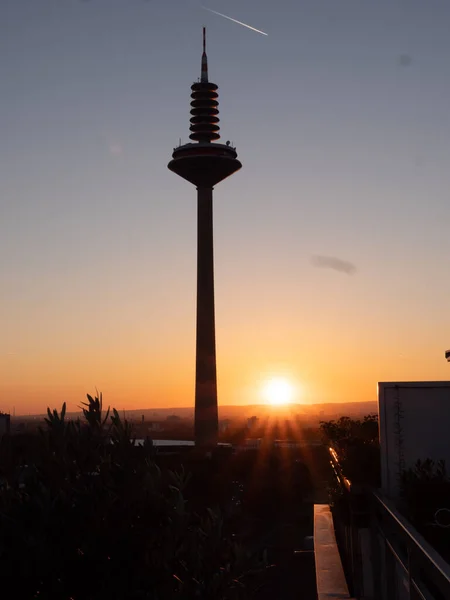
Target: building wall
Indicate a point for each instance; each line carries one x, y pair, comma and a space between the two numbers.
414, 424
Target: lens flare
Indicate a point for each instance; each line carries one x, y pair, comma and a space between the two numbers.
278, 391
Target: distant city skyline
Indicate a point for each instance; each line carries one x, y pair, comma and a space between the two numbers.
331, 256
243, 411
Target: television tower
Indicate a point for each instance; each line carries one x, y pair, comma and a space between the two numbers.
204, 163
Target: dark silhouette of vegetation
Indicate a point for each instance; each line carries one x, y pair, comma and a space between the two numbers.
425, 501
356, 443
274, 482
87, 514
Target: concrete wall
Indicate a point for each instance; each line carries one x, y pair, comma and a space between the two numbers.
330, 578
414, 424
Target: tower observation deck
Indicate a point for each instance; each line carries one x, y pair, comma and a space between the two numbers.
204, 162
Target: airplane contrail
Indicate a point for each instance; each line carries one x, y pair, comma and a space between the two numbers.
235, 21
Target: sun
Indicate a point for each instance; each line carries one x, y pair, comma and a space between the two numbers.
278, 391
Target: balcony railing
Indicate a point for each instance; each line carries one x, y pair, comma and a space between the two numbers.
384, 557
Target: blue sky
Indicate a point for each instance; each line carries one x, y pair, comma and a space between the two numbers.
341, 120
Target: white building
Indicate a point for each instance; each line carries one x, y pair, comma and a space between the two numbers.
414, 425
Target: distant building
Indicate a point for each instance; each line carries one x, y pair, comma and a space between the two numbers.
178, 446
224, 425
252, 444
167, 443
252, 422
155, 426
174, 419
286, 444
5, 423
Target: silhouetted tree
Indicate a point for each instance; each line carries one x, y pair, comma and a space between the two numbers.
357, 445
425, 501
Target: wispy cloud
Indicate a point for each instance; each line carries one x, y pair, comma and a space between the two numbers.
235, 21
337, 264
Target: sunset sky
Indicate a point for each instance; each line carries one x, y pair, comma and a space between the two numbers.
341, 119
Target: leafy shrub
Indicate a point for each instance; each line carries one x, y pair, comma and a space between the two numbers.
357, 445
425, 490
87, 514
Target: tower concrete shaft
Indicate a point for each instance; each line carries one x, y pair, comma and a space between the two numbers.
204, 163
206, 409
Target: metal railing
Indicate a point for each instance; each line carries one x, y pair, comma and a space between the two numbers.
413, 569
384, 557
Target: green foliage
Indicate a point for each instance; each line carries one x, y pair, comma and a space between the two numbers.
86, 514
357, 445
424, 473
344, 430
425, 489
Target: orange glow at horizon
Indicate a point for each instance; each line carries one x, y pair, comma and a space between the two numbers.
150, 363
131, 380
